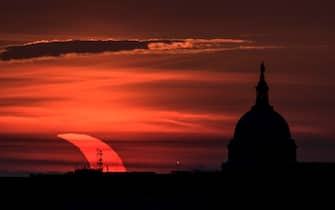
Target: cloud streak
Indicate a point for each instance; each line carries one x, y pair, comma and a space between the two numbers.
25, 101
151, 46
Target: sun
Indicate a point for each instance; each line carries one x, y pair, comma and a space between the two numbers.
89, 145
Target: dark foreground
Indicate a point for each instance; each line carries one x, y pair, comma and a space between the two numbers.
303, 186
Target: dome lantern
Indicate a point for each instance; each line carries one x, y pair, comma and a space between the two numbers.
262, 88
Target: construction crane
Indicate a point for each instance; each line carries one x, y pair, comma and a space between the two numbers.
100, 164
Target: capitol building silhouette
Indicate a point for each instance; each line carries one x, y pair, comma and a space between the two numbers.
262, 136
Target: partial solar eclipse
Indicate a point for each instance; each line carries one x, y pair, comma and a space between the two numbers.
88, 146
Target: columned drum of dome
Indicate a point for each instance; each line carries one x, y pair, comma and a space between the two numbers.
262, 135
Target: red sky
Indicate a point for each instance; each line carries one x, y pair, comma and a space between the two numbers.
195, 76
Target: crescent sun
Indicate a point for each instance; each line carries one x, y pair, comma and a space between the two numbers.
88, 146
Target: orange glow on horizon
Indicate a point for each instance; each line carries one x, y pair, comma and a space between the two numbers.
65, 96
75, 99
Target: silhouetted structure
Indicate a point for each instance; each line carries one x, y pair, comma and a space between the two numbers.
262, 136
100, 164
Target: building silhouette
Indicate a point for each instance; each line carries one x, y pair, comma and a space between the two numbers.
262, 136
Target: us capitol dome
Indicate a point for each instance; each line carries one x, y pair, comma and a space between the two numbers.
262, 135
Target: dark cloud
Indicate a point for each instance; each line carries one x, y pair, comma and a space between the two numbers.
39, 162
5, 81
17, 113
25, 101
154, 46
58, 48
32, 81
